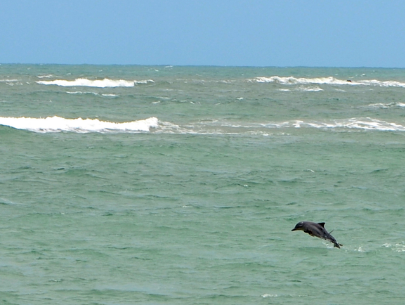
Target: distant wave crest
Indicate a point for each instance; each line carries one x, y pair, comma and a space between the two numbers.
79, 125
352, 123
99, 83
226, 127
290, 80
58, 124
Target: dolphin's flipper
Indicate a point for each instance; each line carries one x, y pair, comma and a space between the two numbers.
309, 232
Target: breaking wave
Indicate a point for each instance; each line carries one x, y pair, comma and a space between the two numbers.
352, 123
290, 80
99, 83
79, 125
387, 105
229, 128
215, 127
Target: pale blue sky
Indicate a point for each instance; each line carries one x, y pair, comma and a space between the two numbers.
356, 33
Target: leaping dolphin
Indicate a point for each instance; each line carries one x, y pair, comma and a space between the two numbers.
316, 230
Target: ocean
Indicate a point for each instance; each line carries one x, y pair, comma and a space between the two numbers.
181, 185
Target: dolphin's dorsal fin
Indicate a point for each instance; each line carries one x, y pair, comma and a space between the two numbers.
322, 224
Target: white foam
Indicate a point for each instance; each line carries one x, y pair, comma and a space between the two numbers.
398, 247
80, 92
303, 89
8, 80
260, 128
387, 105
99, 83
229, 128
268, 295
58, 124
109, 95
79, 125
374, 82
45, 76
92, 93
352, 123
11, 82
290, 80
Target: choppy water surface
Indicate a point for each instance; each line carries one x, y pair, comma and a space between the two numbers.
180, 185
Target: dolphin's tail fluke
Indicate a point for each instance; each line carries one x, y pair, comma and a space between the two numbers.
337, 245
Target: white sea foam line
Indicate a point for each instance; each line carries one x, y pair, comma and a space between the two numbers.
303, 89
80, 92
45, 76
104, 83
223, 127
399, 247
8, 80
268, 295
57, 124
217, 127
310, 89
290, 80
352, 123
109, 95
388, 105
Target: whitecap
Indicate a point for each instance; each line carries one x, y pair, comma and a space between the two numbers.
268, 295
290, 80
8, 80
387, 105
45, 76
58, 124
99, 83
309, 89
80, 92
229, 128
352, 123
109, 95
398, 247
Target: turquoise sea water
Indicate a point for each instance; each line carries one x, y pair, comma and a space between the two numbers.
181, 185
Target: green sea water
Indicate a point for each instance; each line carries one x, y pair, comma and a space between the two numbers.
181, 185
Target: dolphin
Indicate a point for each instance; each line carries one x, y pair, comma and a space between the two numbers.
316, 230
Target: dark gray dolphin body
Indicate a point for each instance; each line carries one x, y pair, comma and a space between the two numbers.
316, 230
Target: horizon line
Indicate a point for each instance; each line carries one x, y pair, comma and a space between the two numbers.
214, 66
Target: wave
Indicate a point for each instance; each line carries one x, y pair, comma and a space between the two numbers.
352, 123
387, 105
303, 89
398, 247
8, 80
45, 76
228, 128
11, 82
99, 83
79, 125
80, 92
92, 93
290, 80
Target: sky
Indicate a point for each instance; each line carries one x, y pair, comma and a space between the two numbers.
316, 33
